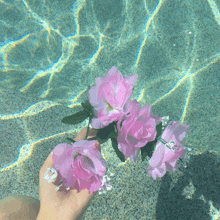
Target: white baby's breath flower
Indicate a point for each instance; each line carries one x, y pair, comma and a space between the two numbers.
105, 184
165, 119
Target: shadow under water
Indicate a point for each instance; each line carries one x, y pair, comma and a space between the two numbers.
203, 171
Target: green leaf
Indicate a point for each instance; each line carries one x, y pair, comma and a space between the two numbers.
149, 148
76, 118
71, 140
106, 132
159, 130
100, 140
87, 106
117, 151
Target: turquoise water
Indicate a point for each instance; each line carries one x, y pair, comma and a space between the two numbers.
50, 51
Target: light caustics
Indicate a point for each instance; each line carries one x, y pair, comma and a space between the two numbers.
69, 45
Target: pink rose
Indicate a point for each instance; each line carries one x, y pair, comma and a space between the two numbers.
136, 128
166, 157
80, 165
109, 96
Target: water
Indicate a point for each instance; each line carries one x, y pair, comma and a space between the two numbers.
50, 51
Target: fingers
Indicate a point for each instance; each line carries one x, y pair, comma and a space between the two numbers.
82, 133
49, 161
92, 133
81, 136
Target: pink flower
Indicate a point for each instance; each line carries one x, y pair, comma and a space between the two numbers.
165, 157
136, 128
80, 165
109, 96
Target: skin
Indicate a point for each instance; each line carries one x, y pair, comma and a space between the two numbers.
53, 204
19, 207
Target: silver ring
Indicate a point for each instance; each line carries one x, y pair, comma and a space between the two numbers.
48, 177
52, 178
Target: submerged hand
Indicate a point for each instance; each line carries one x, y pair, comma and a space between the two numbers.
56, 204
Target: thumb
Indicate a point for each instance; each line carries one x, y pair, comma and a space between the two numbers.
82, 134
92, 133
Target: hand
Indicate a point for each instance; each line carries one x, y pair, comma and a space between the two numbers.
56, 204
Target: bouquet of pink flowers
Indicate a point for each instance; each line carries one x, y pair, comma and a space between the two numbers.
130, 127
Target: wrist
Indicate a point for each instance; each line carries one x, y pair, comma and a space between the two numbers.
45, 215
42, 215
